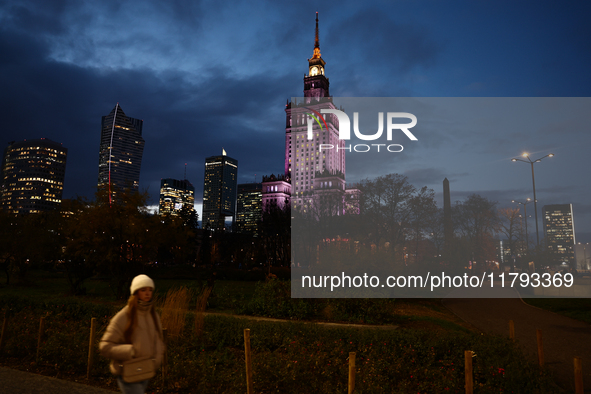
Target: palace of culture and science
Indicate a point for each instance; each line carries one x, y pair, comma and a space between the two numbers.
312, 176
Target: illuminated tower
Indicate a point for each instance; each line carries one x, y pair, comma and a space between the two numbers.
559, 229
176, 195
32, 176
314, 173
249, 208
121, 150
219, 191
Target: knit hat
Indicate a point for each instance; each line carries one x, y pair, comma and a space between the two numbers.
141, 281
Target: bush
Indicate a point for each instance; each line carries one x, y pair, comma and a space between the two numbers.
273, 299
361, 310
174, 311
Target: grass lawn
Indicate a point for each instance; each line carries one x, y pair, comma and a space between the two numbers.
230, 297
425, 353
287, 357
575, 308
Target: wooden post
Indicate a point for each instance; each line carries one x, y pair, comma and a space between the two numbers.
468, 371
578, 375
164, 358
511, 330
41, 321
248, 360
351, 372
540, 348
91, 346
3, 334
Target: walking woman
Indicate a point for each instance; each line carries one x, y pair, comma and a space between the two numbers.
133, 339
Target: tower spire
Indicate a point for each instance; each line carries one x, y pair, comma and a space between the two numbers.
317, 54
316, 41
315, 83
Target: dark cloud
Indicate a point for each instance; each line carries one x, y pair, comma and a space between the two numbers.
207, 75
425, 176
183, 121
406, 45
34, 18
371, 34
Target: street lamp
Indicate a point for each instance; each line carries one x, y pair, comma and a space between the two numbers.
527, 201
533, 179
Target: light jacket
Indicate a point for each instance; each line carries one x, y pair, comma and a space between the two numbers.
146, 339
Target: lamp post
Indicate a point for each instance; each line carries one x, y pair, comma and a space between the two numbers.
533, 179
527, 201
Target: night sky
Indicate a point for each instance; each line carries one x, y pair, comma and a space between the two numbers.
205, 75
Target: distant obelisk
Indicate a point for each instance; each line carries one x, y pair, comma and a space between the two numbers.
448, 231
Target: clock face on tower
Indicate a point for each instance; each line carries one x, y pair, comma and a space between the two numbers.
313, 71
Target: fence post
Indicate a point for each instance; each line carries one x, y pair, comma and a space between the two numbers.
578, 375
540, 348
3, 333
468, 371
511, 330
41, 323
248, 361
351, 372
91, 346
164, 357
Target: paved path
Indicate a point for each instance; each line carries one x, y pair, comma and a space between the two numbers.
319, 323
13, 381
563, 338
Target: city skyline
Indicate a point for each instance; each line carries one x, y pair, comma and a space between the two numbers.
199, 86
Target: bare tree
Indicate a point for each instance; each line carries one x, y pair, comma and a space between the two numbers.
476, 220
114, 239
436, 231
510, 226
276, 235
422, 214
385, 205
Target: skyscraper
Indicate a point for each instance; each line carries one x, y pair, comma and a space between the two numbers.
121, 150
559, 229
249, 208
219, 191
314, 175
32, 176
583, 256
175, 195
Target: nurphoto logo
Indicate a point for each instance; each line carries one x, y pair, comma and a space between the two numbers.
345, 129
